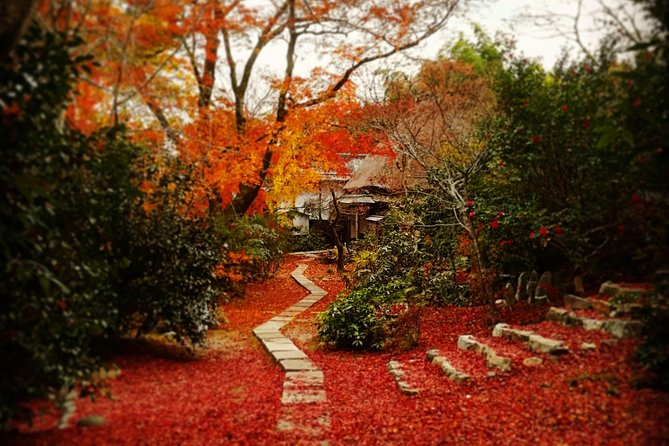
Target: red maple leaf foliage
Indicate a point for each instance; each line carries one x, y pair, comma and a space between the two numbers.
231, 393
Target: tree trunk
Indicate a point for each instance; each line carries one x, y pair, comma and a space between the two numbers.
335, 236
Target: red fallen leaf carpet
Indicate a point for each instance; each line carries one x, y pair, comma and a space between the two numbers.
230, 393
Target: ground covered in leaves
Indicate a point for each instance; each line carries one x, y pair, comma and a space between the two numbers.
230, 393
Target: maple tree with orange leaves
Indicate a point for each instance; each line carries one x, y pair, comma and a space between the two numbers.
187, 76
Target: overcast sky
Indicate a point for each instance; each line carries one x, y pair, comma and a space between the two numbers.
542, 42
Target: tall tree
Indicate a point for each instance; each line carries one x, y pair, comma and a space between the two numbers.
430, 119
195, 67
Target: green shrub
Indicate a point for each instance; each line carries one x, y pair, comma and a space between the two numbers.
60, 200
252, 249
165, 282
312, 241
81, 260
442, 289
362, 319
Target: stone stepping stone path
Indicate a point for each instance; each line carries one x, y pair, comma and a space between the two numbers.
303, 394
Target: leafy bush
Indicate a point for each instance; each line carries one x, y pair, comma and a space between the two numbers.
253, 247
59, 203
312, 241
81, 260
362, 319
165, 279
442, 289
396, 255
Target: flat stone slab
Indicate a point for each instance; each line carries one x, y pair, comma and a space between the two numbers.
279, 346
290, 354
274, 340
304, 378
293, 396
297, 365
308, 424
270, 325
267, 333
277, 340
540, 344
504, 331
576, 302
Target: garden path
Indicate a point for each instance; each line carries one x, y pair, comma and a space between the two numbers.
303, 410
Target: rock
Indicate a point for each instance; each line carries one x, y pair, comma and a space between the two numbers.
509, 295
406, 389
532, 361
576, 303
450, 371
592, 324
532, 282
556, 314
92, 421
491, 374
544, 286
521, 288
602, 306
612, 289
588, 346
467, 342
609, 288
540, 344
541, 300
623, 329
504, 331
394, 367
431, 354
499, 362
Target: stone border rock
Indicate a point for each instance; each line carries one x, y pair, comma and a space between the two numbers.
619, 328
304, 381
534, 342
395, 369
467, 342
454, 374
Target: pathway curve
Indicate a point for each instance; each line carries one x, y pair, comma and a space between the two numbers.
303, 412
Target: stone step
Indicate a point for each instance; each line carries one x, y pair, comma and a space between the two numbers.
395, 369
493, 360
534, 342
451, 372
607, 308
619, 328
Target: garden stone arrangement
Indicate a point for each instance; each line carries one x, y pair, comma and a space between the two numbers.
536, 291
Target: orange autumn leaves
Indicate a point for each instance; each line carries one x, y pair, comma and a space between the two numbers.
183, 77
